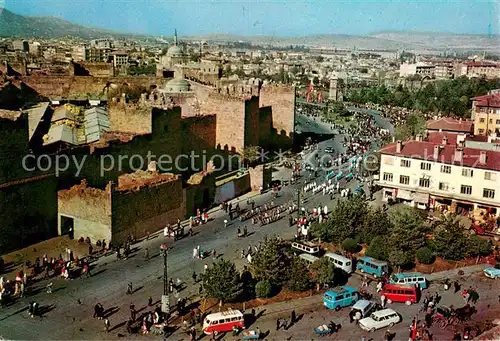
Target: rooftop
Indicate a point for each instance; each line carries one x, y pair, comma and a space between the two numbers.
143, 178
450, 124
62, 113
12, 115
491, 100
424, 150
35, 114
60, 133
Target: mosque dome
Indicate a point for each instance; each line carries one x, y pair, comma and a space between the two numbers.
178, 85
174, 51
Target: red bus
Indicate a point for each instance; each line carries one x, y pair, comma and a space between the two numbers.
223, 322
401, 293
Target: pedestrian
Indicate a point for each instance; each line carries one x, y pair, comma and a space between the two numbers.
242, 254
49, 288
278, 324
129, 326
382, 300
205, 268
379, 286
365, 282
293, 317
132, 312
357, 317
214, 254
150, 301
245, 231
194, 277
146, 254
129, 288
106, 324
284, 324
225, 223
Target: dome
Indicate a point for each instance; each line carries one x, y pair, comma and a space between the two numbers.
174, 51
178, 85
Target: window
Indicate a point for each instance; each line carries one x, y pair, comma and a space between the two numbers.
388, 177
491, 120
488, 193
481, 120
481, 131
497, 122
405, 163
425, 166
404, 179
445, 169
444, 186
467, 172
422, 182
489, 176
465, 189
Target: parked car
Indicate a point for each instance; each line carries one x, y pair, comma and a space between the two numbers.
492, 272
329, 150
340, 297
365, 307
380, 319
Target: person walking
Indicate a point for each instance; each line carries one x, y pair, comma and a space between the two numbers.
382, 300
132, 312
146, 254
293, 317
106, 324
150, 301
278, 324
129, 288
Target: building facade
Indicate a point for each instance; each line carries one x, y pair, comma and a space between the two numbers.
486, 113
428, 174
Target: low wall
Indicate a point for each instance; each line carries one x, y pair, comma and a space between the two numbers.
231, 189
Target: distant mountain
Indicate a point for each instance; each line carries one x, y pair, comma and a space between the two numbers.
14, 25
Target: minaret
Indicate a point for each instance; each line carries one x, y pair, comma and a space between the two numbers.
175, 38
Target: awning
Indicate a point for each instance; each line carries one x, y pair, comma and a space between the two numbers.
404, 194
422, 198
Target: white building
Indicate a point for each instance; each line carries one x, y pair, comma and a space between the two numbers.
422, 173
422, 69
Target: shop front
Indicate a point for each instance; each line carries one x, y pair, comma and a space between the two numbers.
421, 200
404, 196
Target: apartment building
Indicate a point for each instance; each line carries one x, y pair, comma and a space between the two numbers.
422, 69
441, 175
488, 70
486, 113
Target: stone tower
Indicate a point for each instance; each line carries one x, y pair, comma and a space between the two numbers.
335, 93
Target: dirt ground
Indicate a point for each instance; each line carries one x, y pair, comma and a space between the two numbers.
15, 260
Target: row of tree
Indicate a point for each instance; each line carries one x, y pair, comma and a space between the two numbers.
400, 235
272, 269
448, 97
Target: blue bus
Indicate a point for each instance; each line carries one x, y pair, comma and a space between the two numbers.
340, 297
372, 266
412, 278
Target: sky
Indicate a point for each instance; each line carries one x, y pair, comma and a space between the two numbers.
271, 17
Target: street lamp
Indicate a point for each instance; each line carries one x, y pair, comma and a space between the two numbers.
165, 300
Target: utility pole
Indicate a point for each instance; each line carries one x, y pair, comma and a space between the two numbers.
298, 205
165, 299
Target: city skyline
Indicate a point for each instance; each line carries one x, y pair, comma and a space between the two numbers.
192, 17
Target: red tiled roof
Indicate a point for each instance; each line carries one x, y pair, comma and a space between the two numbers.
487, 100
436, 137
450, 124
483, 64
425, 151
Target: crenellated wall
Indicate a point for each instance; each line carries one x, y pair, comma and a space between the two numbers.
282, 100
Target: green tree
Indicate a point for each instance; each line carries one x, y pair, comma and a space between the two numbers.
477, 246
425, 255
400, 258
299, 276
221, 281
263, 289
322, 272
450, 239
414, 124
350, 245
377, 224
250, 155
270, 262
347, 219
409, 232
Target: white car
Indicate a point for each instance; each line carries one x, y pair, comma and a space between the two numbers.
380, 319
365, 307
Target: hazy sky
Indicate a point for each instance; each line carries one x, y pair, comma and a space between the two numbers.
271, 17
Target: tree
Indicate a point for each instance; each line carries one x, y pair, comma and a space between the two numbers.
425, 255
450, 240
377, 224
378, 248
222, 281
400, 258
320, 59
477, 246
409, 230
350, 245
263, 289
414, 124
299, 276
323, 272
270, 262
348, 218
250, 154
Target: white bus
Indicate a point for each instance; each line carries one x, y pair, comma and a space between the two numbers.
340, 262
308, 258
306, 247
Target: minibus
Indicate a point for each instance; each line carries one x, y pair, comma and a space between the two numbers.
341, 297
401, 293
372, 266
223, 322
308, 258
340, 262
306, 247
413, 278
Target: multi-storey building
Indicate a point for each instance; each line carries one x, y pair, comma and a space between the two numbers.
488, 70
444, 70
422, 69
426, 173
486, 113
